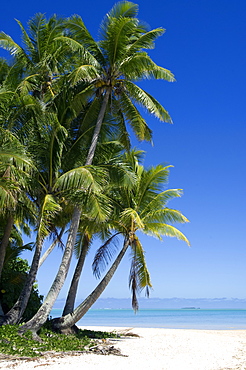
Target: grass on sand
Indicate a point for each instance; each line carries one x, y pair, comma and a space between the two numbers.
24, 346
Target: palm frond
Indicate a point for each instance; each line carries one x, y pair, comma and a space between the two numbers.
79, 32
12, 152
26, 39
104, 255
135, 119
28, 84
155, 202
77, 47
124, 9
159, 73
78, 178
141, 66
7, 194
161, 229
165, 196
85, 73
58, 135
7, 43
151, 182
123, 134
145, 41
37, 29
139, 274
165, 215
117, 37
49, 209
147, 101
131, 218
97, 206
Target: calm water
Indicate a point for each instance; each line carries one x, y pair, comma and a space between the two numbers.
170, 319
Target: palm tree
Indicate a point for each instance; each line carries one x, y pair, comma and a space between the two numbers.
117, 63
41, 60
54, 191
109, 70
143, 208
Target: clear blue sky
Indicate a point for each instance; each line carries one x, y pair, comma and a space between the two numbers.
204, 46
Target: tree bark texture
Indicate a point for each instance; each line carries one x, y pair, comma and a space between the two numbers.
70, 301
50, 249
97, 130
5, 240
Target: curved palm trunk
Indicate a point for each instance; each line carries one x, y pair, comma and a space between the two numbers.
50, 249
70, 301
42, 314
5, 240
14, 315
65, 323
97, 130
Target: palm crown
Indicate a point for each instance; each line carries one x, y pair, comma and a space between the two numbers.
113, 65
142, 208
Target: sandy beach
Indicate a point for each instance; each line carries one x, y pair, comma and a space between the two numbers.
159, 349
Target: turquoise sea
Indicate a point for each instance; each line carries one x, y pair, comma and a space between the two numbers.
164, 318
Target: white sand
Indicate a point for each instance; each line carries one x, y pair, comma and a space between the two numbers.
157, 349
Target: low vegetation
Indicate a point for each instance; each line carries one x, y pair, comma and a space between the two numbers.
11, 343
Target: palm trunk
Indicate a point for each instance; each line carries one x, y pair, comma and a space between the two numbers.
97, 130
70, 301
65, 323
41, 316
5, 240
16, 312
50, 249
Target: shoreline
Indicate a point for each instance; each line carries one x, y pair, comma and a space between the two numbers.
155, 348
202, 319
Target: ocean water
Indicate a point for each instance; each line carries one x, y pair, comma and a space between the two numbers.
164, 318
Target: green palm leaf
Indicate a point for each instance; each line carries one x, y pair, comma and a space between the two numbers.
77, 47
80, 33
8, 192
139, 274
104, 255
117, 37
26, 39
132, 219
85, 73
137, 122
147, 101
7, 43
145, 41
123, 9
78, 178
166, 215
158, 201
160, 229
49, 209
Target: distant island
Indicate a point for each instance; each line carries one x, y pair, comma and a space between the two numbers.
190, 308
165, 303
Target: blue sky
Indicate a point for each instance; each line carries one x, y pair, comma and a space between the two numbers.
204, 46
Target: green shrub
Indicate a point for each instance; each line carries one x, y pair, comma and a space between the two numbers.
13, 278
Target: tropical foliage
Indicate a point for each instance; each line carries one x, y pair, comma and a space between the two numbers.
67, 171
